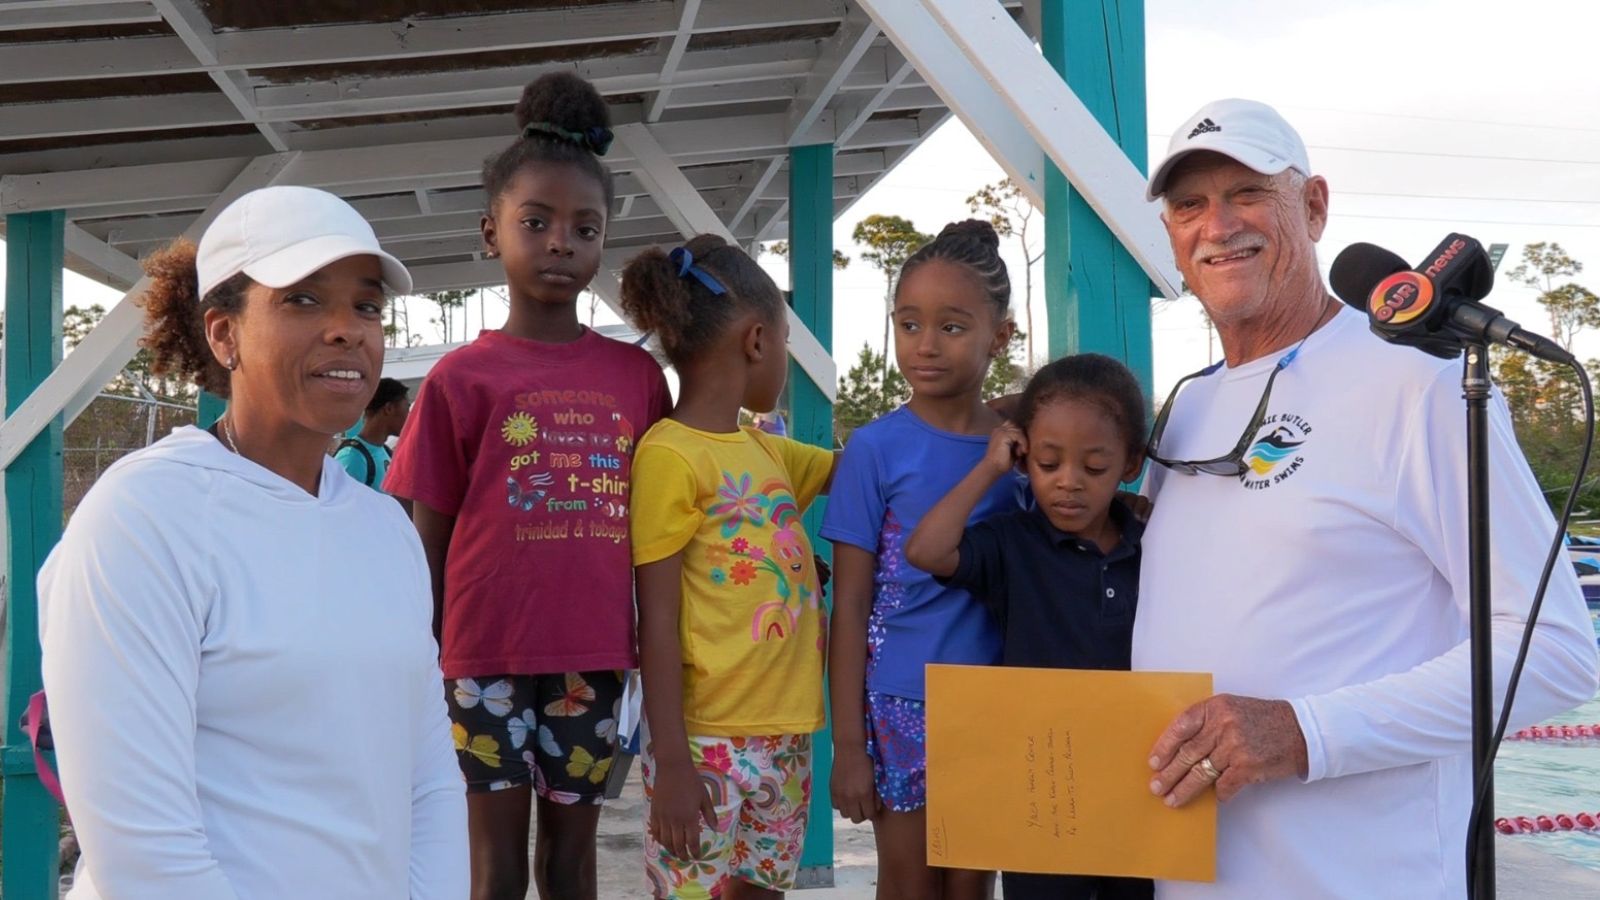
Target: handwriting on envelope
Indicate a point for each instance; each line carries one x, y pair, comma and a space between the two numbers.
1046, 770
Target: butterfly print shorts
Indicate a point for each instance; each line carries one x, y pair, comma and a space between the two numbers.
761, 790
555, 732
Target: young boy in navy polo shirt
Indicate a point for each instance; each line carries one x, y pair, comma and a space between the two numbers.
1061, 579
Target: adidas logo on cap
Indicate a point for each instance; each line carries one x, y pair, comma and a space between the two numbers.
1206, 126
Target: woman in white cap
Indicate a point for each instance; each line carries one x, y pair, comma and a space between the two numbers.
243, 682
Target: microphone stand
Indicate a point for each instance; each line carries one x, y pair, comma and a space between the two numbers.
1476, 388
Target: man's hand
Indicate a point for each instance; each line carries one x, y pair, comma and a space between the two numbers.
854, 795
1247, 741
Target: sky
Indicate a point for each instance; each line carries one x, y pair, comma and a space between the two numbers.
1426, 117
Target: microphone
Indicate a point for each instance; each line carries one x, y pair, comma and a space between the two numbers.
1435, 309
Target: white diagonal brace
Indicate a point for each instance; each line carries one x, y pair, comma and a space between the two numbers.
194, 29
1054, 116
768, 172
122, 269
107, 348
837, 58
922, 40
688, 211
687, 9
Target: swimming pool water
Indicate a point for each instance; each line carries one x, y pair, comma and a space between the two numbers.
1548, 777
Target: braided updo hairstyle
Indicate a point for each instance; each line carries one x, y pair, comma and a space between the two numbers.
174, 315
973, 245
681, 311
561, 120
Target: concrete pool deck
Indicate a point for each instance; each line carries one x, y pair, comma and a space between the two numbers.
1525, 872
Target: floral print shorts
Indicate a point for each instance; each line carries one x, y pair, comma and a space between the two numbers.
897, 741
761, 788
555, 732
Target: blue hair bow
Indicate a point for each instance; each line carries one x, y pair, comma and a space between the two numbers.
684, 260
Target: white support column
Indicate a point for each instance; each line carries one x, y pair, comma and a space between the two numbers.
687, 9
194, 29
919, 36
1036, 97
108, 347
690, 214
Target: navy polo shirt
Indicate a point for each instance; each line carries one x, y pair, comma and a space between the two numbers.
1061, 603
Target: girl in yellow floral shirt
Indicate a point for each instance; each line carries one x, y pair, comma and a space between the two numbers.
731, 625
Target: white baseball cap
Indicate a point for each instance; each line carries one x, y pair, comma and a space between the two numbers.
1248, 132
279, 235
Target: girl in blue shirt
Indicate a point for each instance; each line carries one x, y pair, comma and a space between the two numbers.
951, 319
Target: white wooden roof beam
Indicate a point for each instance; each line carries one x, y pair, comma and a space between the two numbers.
59, 14
687, 10
406, 167
689, 212
769, 171
118, 269
194, 29
496, 87
943, 65
108, 347
1040, 101
317, 45
838, 57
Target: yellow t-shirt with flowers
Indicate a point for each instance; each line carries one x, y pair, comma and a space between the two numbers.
751, 624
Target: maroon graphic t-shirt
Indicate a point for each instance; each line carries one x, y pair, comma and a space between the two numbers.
530, 446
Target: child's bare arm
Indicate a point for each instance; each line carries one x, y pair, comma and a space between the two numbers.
852, 786
434, 528
935, 547
680, 801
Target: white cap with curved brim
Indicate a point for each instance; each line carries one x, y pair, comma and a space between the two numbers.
1251, 133
279, 235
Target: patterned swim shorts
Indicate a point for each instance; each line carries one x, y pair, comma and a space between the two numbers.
761, 789
897, 741
555, 732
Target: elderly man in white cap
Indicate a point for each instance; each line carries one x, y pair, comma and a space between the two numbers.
1309, 548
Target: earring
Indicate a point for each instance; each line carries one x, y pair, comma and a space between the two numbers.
230, 364
492, 254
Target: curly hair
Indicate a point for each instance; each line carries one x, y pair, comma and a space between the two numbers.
683, 313
574, 118
175, 317
974, 245
1092, 378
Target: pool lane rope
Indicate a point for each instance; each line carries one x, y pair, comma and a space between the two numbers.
1556, 733
1544, 824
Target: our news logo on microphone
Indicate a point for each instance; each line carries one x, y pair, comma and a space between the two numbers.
1400, 298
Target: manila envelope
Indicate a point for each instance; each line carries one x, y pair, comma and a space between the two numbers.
1047, 770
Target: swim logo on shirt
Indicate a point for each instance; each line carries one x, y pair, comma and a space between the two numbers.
1278, 452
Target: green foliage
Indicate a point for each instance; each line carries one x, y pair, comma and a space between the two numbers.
1005, 376
888, 241
449, 302
1005, 207
781, 248
869, 390
1572, 307
1545, 403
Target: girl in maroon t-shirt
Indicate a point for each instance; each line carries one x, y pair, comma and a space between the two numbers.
518, 456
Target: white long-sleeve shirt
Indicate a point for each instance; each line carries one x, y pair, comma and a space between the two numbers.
1335, 575
244, 688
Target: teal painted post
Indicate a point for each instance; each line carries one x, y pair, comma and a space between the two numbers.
211, 409
811, 420
34, 247
1097, 297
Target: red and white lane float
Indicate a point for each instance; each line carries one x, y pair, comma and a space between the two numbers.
1557, 733
1548, 823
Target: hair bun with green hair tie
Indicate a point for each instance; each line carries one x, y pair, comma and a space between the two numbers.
596, 137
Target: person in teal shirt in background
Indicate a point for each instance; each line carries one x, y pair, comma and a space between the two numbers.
365, 455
